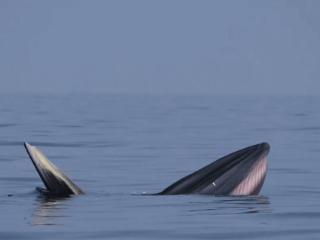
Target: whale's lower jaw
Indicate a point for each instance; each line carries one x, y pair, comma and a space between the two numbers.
238, 173
252, 183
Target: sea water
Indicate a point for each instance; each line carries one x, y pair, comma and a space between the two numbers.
117, 147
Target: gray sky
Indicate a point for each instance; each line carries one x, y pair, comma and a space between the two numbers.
167, 46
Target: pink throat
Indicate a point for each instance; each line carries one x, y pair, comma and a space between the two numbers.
252, 183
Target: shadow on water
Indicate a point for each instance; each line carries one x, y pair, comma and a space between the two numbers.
222, 205
49, 210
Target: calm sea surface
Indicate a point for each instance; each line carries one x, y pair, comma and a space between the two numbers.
117, 147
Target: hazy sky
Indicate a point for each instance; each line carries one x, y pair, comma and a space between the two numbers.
209, 47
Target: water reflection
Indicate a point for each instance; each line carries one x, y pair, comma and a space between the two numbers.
49, 210
232, 205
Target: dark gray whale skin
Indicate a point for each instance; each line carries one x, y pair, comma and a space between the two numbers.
239, 173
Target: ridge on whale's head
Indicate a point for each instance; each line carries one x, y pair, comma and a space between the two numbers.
239, 173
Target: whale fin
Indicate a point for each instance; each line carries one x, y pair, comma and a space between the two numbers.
56, 182
240, 173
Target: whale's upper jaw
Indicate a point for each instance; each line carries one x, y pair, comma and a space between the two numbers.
239, 173
56, 182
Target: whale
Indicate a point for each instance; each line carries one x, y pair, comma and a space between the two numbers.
241, 173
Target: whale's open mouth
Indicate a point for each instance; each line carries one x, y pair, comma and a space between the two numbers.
239, 173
